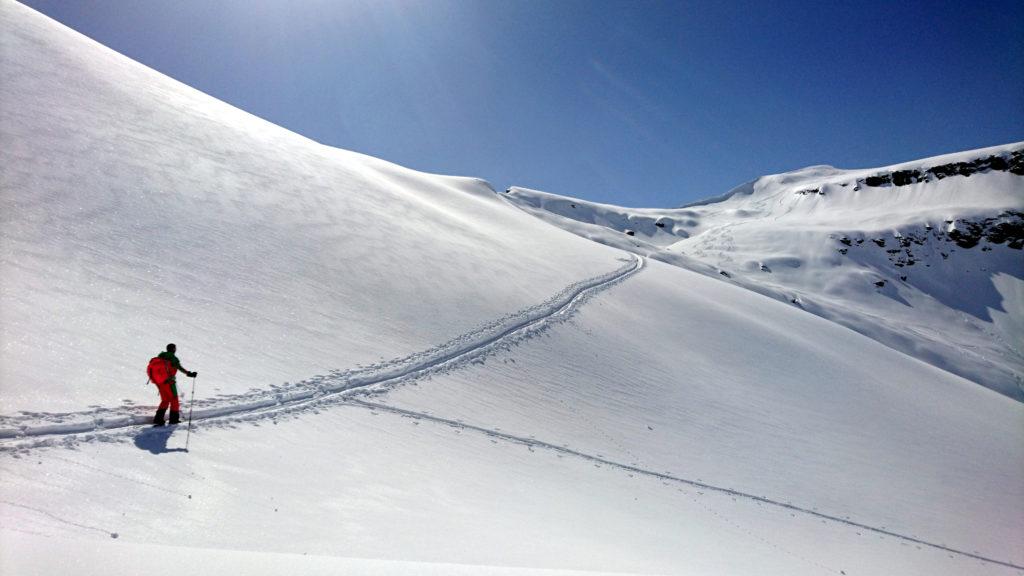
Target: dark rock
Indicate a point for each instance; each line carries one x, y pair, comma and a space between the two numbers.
1015, 165
880, 283
1017, 162
810, 191
904, 177
1010, 230
968, 235
878, 180
879, 241
630, 232
845, 240
998, 163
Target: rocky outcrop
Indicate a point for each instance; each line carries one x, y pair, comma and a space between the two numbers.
811, 191
1014, 164
1005, 229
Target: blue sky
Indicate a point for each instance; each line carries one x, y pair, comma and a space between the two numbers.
633, 103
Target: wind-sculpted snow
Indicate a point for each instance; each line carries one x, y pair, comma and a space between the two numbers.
33, 429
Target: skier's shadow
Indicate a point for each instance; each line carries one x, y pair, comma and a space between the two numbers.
155, 440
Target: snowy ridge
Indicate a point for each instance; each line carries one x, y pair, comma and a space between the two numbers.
308, 256
941, 166
922, 256
320, 389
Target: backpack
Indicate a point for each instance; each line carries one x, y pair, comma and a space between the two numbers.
160, 370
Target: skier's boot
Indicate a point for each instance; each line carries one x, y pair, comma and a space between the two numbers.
158, 420
175, 417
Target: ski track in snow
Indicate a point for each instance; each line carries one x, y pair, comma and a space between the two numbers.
40, 429
532, 443
60, 519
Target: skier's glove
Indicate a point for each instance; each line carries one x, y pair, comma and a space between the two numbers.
192, 374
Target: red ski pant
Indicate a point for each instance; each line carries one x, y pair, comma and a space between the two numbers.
168, 395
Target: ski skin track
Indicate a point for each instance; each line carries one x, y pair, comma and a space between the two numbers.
43, 435
275, 405
667, 477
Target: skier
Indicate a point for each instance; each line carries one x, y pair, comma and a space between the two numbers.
168, 387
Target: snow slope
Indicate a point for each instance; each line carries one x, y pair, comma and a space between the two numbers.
672, 424
924, 256
470, 389
137, 211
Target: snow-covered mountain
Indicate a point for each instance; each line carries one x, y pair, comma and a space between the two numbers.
403, 373
147, 211
924, 256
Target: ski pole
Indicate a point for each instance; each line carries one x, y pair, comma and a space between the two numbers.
191, 401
